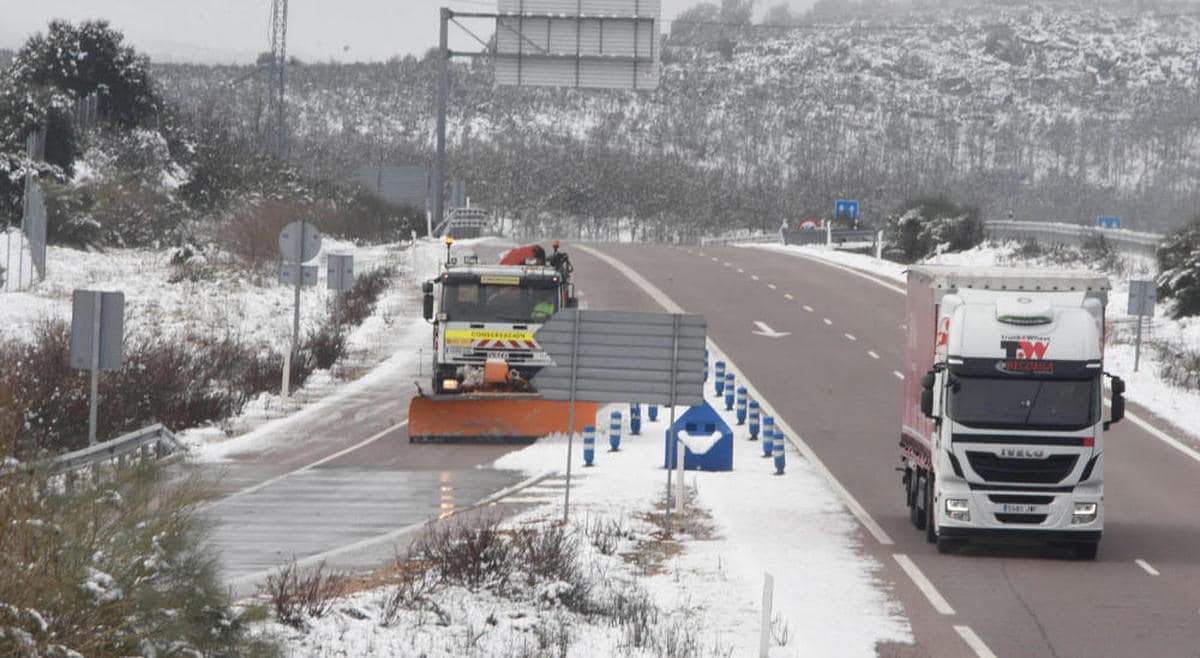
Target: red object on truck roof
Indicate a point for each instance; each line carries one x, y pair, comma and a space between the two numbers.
522, 256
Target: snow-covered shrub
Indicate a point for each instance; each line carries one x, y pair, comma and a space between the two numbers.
180, 384
473, 552
1097, 251
1179, 364
923, 227
1179, 267
357, 304
297, 594
120, 568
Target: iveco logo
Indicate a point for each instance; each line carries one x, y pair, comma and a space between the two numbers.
1022, 453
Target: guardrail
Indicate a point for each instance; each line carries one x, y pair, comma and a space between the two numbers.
153, 441
769, 238
1131, 242
821, 236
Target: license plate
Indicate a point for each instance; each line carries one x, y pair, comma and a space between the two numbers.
1019, 509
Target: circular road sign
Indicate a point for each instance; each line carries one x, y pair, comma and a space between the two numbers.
290, 247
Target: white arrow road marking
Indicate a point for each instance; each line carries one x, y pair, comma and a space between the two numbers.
764, 330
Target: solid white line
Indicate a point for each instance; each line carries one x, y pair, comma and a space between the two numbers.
771, 286
872, 354
850, 337
914, 572
808, 308
324, 460
839, 266
827, 321
803, 448
1146, 567
898, 374
754, 277
974, 642
788, 295
1162, 436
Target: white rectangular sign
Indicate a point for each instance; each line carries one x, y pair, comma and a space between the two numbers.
606, 44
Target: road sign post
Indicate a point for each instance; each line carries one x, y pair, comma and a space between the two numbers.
97, 338
299, 242
616, 356
1142, 295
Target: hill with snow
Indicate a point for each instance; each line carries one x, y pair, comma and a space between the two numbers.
1049, 110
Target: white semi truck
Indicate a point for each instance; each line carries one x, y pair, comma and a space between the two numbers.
1002, 438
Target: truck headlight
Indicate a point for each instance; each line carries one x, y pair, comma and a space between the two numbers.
956, 508
450, 384
1084, 513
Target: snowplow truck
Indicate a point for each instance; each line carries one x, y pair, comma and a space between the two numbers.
484, 319
1002, 438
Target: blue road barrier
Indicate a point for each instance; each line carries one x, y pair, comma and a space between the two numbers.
589, 444
719, 378
755, 411
614, 431
652, 412
741, 405
768, 434
780, 459
635, 419
729, 391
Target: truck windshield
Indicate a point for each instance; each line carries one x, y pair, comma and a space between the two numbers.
1012, 403
479, 302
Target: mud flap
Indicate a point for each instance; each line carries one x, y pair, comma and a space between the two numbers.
492, 419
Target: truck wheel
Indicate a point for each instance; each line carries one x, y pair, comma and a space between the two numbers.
930, 517
915, 488
1086, 551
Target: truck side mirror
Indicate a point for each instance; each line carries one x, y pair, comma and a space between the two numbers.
927, 381
1118, 402
427, 306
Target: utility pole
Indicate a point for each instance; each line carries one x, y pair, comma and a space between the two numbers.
276, 135
443, 94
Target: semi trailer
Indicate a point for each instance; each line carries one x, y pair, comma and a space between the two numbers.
1002, 435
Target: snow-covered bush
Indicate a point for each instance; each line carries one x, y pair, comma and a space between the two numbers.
1179, 267
923, 227
120, 568
296, 594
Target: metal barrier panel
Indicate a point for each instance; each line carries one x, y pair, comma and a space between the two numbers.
1129, 242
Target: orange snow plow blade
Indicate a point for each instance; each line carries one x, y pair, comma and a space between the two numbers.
492, 418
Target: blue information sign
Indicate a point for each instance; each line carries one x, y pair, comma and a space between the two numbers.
1108, 222
846, 208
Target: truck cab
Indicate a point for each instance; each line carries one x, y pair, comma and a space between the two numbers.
1009, 442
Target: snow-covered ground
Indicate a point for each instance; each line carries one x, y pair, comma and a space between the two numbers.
828, 597
1146, 387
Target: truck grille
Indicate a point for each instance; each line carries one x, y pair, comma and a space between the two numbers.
1032, 519
1050, 470
1020, 499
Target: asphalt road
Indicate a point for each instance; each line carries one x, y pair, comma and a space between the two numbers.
835, 379
344, 476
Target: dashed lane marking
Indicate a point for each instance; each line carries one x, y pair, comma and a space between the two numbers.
727, 264
788, 295
808, 308
741, 271
898, 374
754, 277
827, 321
850, 337
872, 354
1146, 567
771, 286
855, 507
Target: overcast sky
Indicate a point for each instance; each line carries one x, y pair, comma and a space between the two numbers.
236, 30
